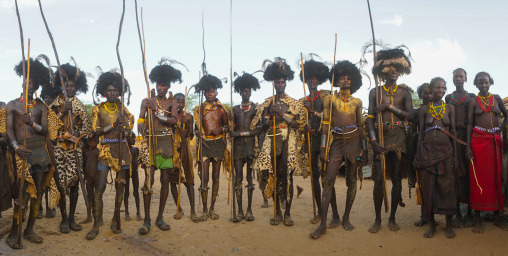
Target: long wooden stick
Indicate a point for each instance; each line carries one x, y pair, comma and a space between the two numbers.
63, 83
118, 179
180, 170
232, 181
379, 115
274, 160
308, 141
148, 112
21, 179
327, 150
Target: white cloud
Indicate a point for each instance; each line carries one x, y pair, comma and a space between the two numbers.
397, 20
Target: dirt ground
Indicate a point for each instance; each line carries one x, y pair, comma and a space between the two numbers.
222, 237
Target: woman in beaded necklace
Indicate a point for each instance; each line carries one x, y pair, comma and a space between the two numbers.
435, 158
485, 151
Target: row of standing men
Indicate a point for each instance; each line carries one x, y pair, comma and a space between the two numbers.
316, 134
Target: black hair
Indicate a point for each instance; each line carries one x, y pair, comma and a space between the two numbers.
483, 73
343, 68
246, 81
51, 91
111, 78
71, 73
208, 82
179, 95
317, 69
277, 69
420, 89
434, 82
165, 74
457, 69
39, 74
392, 57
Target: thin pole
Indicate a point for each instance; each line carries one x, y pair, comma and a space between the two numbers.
379, 115
331, 105
274, 160
308, 140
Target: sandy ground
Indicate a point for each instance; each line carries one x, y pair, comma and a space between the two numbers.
222, 237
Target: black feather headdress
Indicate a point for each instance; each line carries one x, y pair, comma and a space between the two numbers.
245, 81
277, 69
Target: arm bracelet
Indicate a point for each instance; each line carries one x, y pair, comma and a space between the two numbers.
395, 110
323, 140
372, 135
141, 120
36, 127
15, 145
364, 144
245, 134
287, 119
108, 128
318, 114
59, 115
162, 118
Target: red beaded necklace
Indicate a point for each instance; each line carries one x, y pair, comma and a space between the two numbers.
488, 105
458, 102
309, 99
245, 109
33, 102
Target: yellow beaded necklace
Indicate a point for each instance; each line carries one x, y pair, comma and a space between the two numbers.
110, 107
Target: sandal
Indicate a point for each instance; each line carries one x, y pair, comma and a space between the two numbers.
64, 228
75, 226
194, 218
276, 222
13, 243
249, 216
288, 221
143, 230
92, 234
32, 237
162, 225
180, 215
213, 215
204, 217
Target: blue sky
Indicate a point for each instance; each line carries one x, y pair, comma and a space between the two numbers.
442, 35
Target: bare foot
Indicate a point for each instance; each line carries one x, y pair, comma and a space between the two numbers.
318, 232
100, 222
87, 220
275, 222
420, 223
346, 224
50, 213
468, 221
431, 231
375, 227
127, 216
265, 203
288, 221
478, 228
500, 224
392, 225
138, 217
315, 220
334, 223
450, 233
457, 223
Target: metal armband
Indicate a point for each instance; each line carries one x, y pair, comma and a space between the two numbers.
37, 127
287, 119
372, 135
323, 140
15, 145
108, 128
395, 110
162, 118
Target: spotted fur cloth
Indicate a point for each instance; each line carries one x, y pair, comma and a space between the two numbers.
294, 139
66, 161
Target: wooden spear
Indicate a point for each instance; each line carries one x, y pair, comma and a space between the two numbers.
379, 115
62, 81
274, 160
120, 134
308, 140
232, 182
26, 77
331, 105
